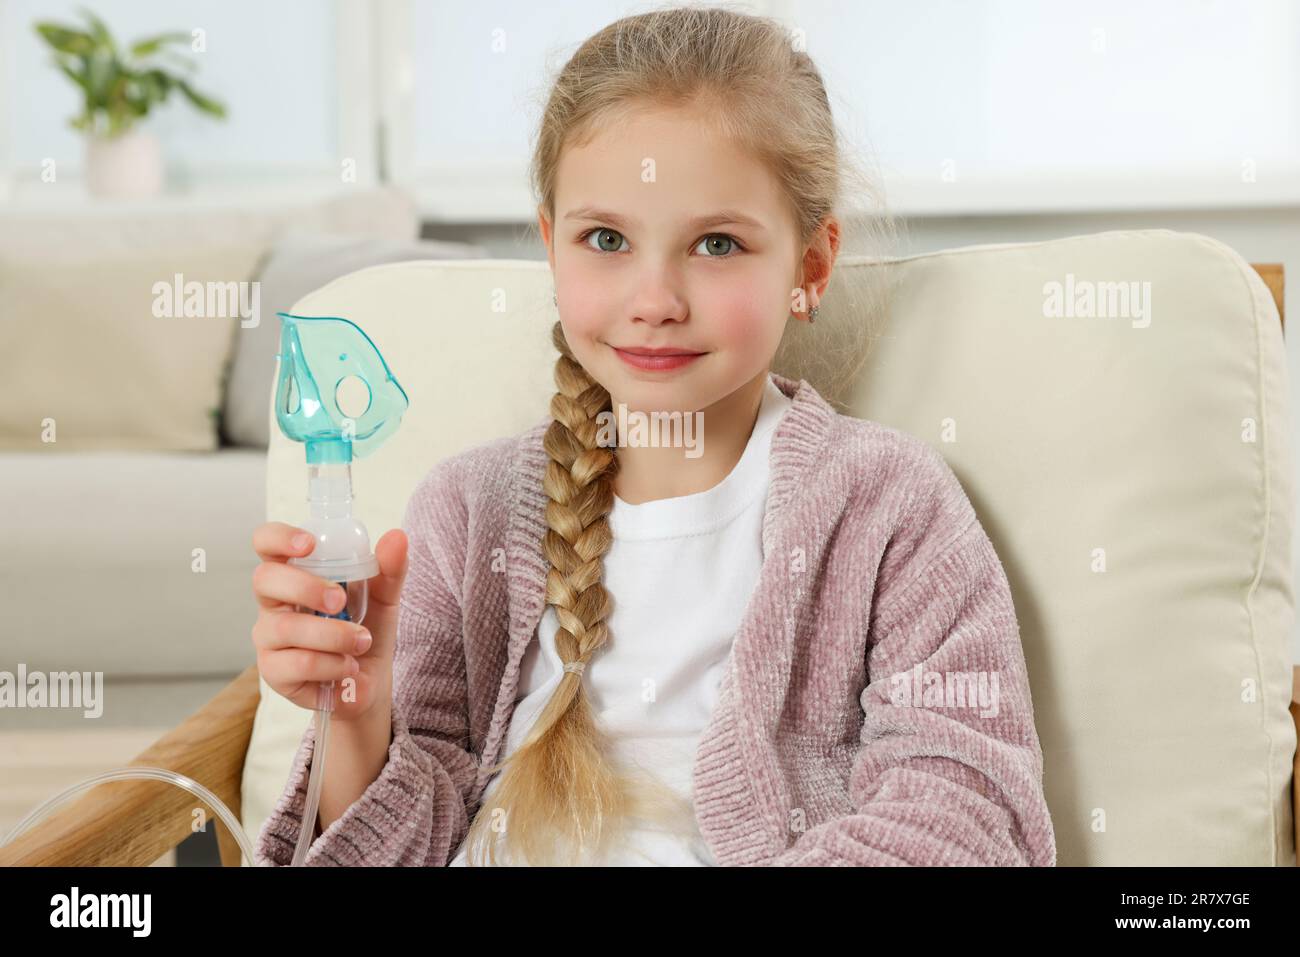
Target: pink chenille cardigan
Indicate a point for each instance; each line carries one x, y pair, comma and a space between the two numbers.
874, 710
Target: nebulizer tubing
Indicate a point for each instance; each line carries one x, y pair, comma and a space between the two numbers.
318, 356
142, 774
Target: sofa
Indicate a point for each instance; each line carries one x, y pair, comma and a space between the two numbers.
131, 554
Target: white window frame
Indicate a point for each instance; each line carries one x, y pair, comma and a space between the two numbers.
376, 126
499, 193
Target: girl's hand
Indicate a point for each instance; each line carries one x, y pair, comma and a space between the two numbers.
296, 650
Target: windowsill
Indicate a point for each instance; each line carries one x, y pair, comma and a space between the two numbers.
69, 195
498, 193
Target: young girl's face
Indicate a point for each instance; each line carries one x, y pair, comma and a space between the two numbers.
666, 235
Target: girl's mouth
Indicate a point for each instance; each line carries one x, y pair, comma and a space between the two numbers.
656, 359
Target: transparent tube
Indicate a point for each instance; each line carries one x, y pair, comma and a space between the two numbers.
357, 592
354, 610
305, 836
312, 806
142, 774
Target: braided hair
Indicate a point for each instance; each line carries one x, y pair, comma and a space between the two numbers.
559, 795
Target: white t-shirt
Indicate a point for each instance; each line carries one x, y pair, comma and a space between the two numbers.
680, 574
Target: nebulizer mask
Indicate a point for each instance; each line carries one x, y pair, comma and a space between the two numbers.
336, 395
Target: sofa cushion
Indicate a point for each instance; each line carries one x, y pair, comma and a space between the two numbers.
136, 564
114, 350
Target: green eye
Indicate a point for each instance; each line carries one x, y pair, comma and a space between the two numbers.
714, 239
602, 239
716, 245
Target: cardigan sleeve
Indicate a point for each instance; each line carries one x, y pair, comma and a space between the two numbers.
945, 774
415, 812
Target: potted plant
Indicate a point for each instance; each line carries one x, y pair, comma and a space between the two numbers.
118, 91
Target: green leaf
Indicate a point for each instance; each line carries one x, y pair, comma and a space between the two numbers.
99, 30
137, 95
65, 39
156, 85
207, 105
151, 45
101, 74
72, 74
161, 78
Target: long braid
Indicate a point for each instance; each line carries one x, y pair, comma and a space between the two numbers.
580, 485
559, 796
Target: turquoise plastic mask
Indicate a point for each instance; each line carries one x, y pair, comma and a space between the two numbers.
335, 392
336, 395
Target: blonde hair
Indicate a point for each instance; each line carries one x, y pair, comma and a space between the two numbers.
560, 795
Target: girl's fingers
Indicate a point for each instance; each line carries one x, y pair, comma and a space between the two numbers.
292, 666
276, 583
390, 551
278, 541
290, 629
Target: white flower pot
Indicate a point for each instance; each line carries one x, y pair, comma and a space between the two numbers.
125, 166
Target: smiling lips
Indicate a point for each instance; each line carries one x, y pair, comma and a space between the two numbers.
656, 359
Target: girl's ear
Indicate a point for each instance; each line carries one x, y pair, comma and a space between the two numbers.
544, 227
820, 257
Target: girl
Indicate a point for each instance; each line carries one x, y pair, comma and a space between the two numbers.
780, 638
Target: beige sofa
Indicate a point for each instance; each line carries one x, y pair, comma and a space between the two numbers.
130, 554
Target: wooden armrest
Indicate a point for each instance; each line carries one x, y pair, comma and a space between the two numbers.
1274, 277
1295, 779
1295, 769
133, 823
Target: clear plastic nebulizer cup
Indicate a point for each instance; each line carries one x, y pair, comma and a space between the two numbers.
342, 552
